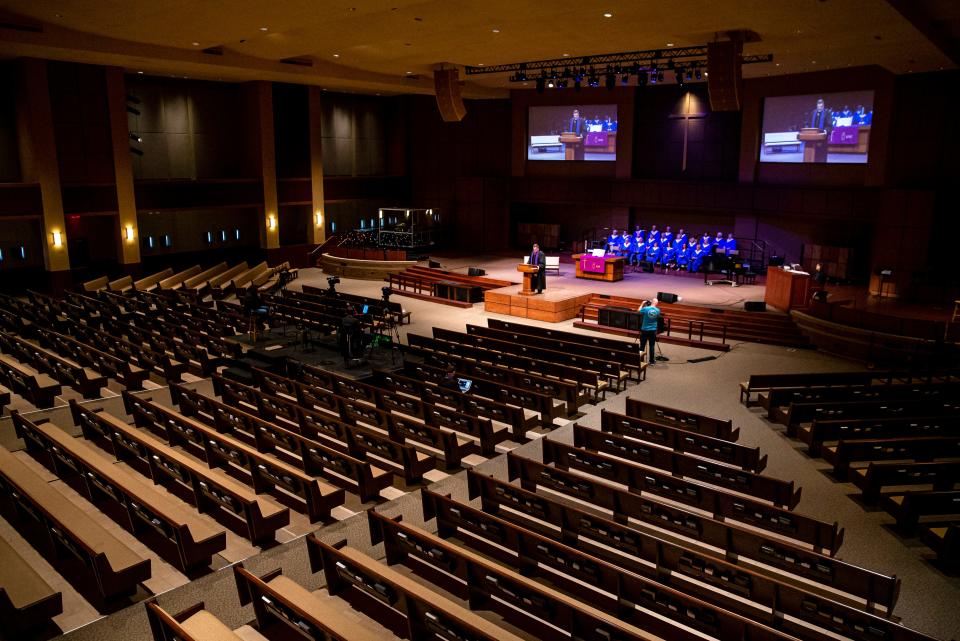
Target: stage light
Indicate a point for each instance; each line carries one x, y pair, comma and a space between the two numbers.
689, 75
561, 84
698, 74
540, 85
653, 78
679, 76
135, 137
659, 76
129, 233
550, 84
57, 239
576, 84
593, 80
642, 79
610, 81
625, 80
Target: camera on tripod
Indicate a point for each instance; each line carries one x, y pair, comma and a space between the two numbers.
332, 282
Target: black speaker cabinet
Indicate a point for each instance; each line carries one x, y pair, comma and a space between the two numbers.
755, 306
475, 271
666, 297
619, 317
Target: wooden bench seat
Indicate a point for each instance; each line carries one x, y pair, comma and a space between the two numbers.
38, 389
126, 373
209, 489
277, 598
193, 624
194, 541
96, 284
908, 508
121, 285
175, 281
758, 382
818, 432
873, 478
925, 448
799, 413
945, 541
82, 379
151, 282
115, 569
27, 601
266, 473
680, 419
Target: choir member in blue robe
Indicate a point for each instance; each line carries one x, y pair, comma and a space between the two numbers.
681, 238
720, 243
639, 252
638, 230
653, 234
653, 252
668, 256
626, 246
696, 259
609, 124
706, 242
683, 256
614, 241
861, 117
730, 244
666, 236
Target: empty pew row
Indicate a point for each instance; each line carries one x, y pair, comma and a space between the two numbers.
629, 361
678, 464
762, 382
402, 420
36, 388
777, 400
611, 370
632, 347
185, 539
193, 624
393, 309
621, 597
468, 362
742, 456
343, 421
300, 446
27, 602
799, 413
66, 534
126, 373
680, 419
875, 476
820, 431
698, 571
84, 380
208, 490
945, 541
144, 354
311, 496
867, 590
910, 507
844, 453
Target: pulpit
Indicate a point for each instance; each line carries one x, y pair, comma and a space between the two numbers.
787, 290
572, 146
814, 144
529, 272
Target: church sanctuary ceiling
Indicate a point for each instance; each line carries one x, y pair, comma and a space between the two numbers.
393, 46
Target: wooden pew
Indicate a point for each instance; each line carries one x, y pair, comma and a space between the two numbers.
907, 508
246, 278
799, 413
682, 465
689, 421
121, 285
747, 458
193, 624
758, 382
96, 284
945, 541
873, 588
38, 389
114, 568
393, 308
175, 281
4, 397
873, 478
202, 277
142, 507
221, 285
277, 599
130, 375
647, 551
266, 473
924, 448
83, 379
313, 456
151, 282
27, 602
821, 431
488, 584
777, 400
632, 347
208, 490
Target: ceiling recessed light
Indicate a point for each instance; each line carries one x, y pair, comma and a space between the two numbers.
479, 64
140, 72
409, 72
607, 15
496, 31
336, 55
196, 44
264, 29
566, 55
669, 44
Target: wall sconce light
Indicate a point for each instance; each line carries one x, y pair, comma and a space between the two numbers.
57, 239
271, 222
129, 233
319, 218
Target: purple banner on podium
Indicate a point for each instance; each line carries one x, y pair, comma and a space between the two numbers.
844, 135
596, 139
591, 264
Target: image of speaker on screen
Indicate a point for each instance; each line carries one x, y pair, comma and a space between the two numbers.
567, 133
829, 128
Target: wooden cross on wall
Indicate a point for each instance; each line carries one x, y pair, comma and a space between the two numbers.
687, 116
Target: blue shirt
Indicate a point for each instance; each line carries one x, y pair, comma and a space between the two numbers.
650, 315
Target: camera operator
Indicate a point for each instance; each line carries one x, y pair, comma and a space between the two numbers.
348, 335
650, 324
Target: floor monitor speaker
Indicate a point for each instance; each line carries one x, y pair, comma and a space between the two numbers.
755, 306
475, 271
667, 297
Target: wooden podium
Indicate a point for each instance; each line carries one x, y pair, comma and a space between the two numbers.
528, 271
814, 144
572, 146
787, 290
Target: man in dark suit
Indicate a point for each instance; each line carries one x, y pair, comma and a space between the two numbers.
540, 278
821, 117
577, 125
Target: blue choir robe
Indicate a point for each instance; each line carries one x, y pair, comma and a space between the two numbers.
653, 253
697, 259
683, 256
729, 245
626, 247
614, 242
653, 236
666, 237
640, 249
668, 255
706, 243
720, 242
680, 240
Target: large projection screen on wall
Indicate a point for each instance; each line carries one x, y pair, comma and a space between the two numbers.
830, 128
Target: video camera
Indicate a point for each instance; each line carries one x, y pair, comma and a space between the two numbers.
332, 282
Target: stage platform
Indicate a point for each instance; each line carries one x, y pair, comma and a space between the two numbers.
554, 305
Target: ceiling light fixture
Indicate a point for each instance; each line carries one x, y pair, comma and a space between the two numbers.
263, 29
607, 15
496, 31
336, 55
